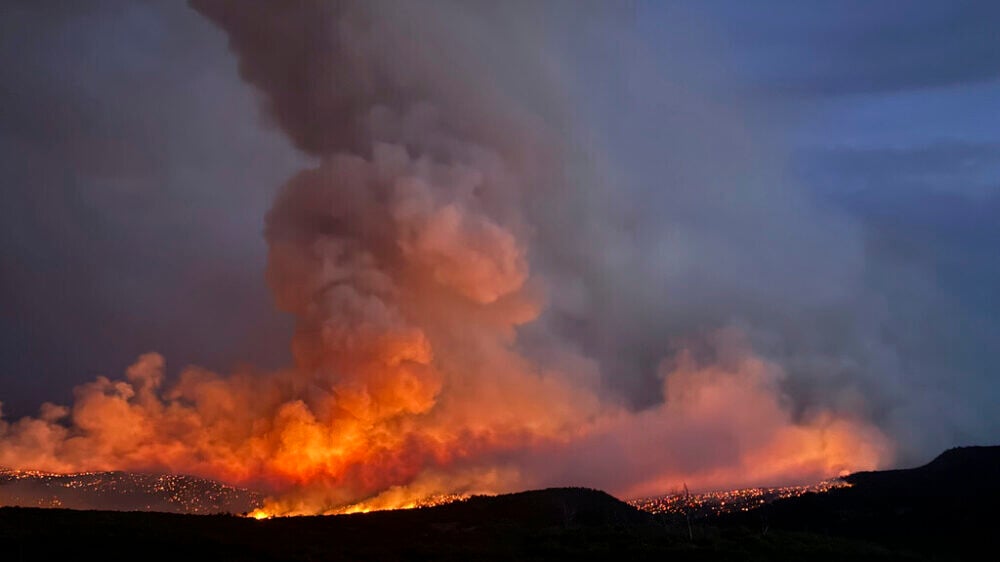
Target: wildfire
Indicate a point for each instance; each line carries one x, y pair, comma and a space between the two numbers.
259, 514
415, 503
207, 425
404, 257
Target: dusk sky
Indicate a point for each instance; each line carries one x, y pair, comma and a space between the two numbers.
820, 178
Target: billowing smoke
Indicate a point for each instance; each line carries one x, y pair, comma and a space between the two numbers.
479, 307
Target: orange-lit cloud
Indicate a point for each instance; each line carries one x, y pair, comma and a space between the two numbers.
390, 442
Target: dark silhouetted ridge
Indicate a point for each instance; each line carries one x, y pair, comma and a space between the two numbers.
944, 510
958, 471
948, 509
541, 508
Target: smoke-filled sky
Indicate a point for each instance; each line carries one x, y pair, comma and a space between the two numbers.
371, 250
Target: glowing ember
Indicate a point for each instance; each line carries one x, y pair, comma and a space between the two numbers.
720, 502
123, 491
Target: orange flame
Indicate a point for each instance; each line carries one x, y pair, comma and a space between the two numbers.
340, 452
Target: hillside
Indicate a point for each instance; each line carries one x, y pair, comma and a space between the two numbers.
554, 524
942, 511
123, 491
535, 524
959, 471
946, 509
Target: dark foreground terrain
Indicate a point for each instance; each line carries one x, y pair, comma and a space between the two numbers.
946, 510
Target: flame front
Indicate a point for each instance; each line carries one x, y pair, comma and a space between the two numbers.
425, 364
259, 514
717, 428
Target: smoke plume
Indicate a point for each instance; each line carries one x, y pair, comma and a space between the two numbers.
479, 308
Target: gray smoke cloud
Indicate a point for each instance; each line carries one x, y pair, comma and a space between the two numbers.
118, 123
524, 253
706, 235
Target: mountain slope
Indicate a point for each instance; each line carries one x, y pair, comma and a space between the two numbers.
947, 509
123, 491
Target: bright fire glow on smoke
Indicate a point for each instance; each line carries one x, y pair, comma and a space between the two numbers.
409, 255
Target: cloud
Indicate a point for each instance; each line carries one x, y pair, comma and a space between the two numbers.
962, 169
845, 48
119, 122
928, 218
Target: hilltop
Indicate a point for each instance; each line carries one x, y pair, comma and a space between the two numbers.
962, 470
946, 509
